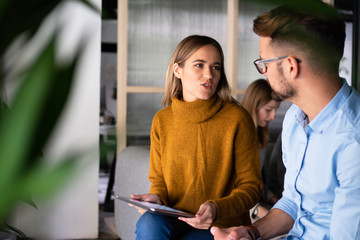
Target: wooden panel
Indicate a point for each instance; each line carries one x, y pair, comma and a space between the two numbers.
232, 35
139, 89
121, 74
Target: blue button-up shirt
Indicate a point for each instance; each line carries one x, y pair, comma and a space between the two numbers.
322, 160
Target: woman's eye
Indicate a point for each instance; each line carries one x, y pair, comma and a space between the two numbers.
199, 65
217, 68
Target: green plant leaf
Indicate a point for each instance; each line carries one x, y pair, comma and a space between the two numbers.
17, 125
56, 96
31, 202
41, 181
91, 6
26, 128
41, 97
44, 181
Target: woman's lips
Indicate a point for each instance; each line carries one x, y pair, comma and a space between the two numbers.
207, 85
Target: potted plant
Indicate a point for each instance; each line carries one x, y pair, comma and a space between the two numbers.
27, 123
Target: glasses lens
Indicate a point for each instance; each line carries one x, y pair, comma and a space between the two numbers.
260, 66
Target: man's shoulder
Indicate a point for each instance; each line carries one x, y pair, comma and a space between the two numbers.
292, 113
351, 110
354, 102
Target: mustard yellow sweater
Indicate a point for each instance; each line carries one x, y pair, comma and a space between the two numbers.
206, 150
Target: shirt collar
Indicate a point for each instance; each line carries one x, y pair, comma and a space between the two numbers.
323, 119
197, 111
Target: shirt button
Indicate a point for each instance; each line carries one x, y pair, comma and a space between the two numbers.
308, 214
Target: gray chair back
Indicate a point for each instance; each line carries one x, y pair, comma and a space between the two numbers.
131, 177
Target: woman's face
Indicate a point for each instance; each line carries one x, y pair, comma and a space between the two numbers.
200, 74
266, 113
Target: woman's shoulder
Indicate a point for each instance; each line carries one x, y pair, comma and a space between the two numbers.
163, 113
235, 109
235, 113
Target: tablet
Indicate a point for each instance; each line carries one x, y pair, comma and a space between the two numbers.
156, 208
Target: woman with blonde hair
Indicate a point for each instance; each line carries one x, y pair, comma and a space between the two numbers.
204, 149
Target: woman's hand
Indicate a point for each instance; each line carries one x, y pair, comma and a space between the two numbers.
153, 198
203, 218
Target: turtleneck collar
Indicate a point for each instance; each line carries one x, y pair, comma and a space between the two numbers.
197, 111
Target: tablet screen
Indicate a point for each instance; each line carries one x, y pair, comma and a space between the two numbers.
156, 208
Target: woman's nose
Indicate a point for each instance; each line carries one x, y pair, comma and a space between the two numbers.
272, 114
208, 73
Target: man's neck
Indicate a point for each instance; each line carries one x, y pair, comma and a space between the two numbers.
314, 97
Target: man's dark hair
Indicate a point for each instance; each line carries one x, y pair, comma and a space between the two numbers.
312, 27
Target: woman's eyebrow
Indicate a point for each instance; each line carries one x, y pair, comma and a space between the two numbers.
199, 60
203, 61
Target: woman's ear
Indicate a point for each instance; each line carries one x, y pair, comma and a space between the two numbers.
294, 68
177, 71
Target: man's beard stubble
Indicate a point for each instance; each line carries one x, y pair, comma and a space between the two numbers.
288, 91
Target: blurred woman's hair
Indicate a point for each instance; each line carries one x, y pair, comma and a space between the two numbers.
256, 96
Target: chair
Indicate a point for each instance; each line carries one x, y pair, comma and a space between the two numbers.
131, 177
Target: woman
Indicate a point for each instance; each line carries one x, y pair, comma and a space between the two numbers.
204, 149
258, 100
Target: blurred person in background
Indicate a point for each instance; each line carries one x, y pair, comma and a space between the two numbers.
258, 99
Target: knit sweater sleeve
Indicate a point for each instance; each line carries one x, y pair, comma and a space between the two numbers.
247, 183
156, 176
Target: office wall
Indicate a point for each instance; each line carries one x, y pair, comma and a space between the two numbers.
73, 212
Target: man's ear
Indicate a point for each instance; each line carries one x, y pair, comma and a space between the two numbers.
293, 67
177, 71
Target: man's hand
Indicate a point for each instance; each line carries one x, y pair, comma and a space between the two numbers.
233, 233
153, 198
203, 218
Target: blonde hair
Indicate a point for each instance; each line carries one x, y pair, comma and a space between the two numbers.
183, 51
256, 96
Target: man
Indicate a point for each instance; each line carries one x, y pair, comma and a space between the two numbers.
300, 51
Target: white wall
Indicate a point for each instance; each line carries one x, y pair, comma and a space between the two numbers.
73, 213
345, 64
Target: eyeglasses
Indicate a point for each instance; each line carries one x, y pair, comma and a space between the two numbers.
260, 64
261, 67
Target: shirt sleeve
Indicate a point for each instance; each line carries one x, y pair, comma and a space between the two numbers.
345, 220
286, 203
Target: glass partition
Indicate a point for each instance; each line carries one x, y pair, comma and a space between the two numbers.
248, 51
155, 28
248, 41
141, 108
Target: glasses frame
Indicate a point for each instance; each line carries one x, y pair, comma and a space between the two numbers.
259, 61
